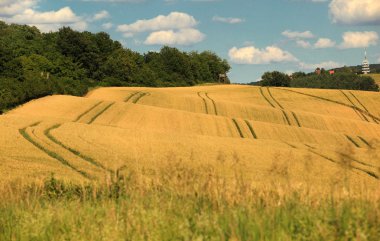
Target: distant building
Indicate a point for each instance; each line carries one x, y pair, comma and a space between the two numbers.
318, 71
365, 65
331, 72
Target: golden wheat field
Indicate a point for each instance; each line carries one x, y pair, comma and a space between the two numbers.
311, 135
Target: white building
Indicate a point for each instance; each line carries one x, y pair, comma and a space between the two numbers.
365, 65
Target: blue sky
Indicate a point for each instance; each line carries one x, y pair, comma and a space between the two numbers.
253, 35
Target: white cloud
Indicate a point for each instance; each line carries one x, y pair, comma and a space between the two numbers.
303, 44
101, 15
107, 26
297, 35
170, 37
175, 20
49, 21
12, 7
23, 12
253, 55
116, 1
359, 39
325, 65
324, 43
355, 12
174, 29
227, 20
30, 16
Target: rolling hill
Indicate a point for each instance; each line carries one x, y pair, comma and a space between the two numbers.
315, 135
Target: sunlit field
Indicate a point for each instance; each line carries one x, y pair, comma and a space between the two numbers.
192, 163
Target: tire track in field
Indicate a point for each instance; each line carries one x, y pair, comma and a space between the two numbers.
238, 128
87, 111
141, 95
131, 96
334, 101
262, 94
23, 132
365, 142
253, 133
312, 150
348, 157
100, 113
352, 141
361, 115
286, 117
360, 103
204, 102
88, 159
213, 103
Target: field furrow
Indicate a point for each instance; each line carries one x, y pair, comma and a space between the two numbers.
63, 161
254, 126
213, 103
90, 160
100, 113
204, 102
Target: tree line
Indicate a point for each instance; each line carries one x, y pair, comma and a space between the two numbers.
35, 64
341, 79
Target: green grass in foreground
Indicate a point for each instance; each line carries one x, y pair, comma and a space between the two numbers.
124, 211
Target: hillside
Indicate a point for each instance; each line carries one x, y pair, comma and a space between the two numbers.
316, 135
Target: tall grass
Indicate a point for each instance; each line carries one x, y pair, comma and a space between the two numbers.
178, 200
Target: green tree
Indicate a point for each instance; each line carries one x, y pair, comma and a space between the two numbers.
275, 78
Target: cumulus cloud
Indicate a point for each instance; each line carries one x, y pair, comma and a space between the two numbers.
325, 65
359, 39
297, 35
175, 20
303, 44
324, 43
11, 7
253, 55
170, 37
355, 12
101, 15
116, 1
177, 28
227, 20
23, 12
107, 26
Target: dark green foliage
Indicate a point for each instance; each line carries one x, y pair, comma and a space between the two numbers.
342, 80
35, 64
275, 78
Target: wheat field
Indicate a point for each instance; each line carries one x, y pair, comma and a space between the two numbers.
311, 133
198, 163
